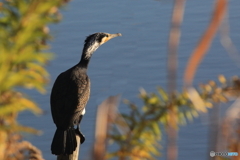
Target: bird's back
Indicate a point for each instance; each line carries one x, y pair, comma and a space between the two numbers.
69, 96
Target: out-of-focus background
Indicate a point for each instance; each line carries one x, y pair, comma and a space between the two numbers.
137, 59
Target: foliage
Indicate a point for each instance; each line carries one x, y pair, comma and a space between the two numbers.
23, 56
138, 133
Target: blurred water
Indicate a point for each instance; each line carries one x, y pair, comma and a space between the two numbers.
137, 59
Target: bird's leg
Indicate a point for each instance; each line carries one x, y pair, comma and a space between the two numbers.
77, 130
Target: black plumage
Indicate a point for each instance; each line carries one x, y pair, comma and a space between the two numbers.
69, 96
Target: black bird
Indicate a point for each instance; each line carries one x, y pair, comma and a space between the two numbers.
70, 94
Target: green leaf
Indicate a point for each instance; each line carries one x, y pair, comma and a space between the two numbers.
163, 94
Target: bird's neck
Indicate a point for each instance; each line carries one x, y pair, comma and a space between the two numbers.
86, 56
84, 62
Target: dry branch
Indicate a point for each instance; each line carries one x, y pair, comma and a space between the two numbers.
105, 115
177, 17
205, 42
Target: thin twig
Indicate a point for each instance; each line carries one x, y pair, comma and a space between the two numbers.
177, 16
205, 42
227, 42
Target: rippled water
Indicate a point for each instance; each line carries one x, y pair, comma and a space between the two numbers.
137, 59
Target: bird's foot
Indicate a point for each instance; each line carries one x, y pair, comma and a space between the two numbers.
82, 137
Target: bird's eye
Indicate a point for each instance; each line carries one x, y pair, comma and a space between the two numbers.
106, 35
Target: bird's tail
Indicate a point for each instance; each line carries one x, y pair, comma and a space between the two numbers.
64, 142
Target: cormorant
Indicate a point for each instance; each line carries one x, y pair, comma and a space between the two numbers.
69, 96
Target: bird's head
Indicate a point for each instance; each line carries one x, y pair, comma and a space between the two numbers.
95, 40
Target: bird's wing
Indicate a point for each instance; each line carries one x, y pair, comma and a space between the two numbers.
67, 98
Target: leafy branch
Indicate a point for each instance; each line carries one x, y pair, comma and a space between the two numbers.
23, 57
138, 133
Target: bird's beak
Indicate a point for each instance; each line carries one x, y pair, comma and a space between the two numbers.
110, 36
114, 35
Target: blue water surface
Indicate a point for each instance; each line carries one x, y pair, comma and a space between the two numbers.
137, 59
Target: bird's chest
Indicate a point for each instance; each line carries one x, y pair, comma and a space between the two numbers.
83, 93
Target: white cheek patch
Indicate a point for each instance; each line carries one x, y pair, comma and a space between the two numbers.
91, 49
84, 111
